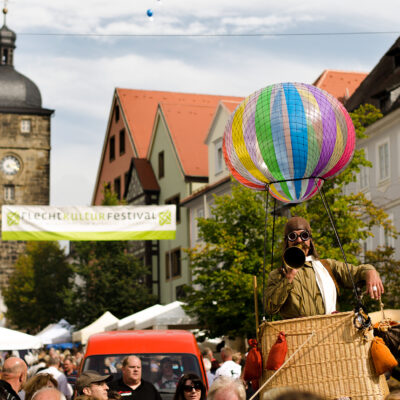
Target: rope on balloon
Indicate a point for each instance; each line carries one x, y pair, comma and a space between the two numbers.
265, 249
265, 244
361, 320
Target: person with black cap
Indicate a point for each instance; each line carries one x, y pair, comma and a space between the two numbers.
312, 289
91, 383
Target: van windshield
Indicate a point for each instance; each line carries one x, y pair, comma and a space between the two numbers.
163, 370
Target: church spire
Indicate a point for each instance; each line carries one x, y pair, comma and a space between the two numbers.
5, 10
7, 41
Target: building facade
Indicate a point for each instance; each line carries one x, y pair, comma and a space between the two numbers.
164, 160
24, 145
381, 183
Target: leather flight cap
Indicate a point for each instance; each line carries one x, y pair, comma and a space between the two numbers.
86, 378
296, 224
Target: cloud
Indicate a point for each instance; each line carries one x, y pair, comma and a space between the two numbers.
77, 75
127, 16
73, 172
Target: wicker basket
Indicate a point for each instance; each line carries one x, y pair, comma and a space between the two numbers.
334, 360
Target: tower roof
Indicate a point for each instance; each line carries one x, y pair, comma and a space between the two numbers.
17, 92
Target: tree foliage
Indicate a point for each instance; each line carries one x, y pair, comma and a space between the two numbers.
108, 278
221, 295
383, 259
35, 295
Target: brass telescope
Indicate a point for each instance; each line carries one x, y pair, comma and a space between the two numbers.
294, 257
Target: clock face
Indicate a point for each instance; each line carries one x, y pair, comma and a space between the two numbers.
10, 165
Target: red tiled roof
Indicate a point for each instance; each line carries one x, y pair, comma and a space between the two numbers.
189, 126
340, 84
140, 106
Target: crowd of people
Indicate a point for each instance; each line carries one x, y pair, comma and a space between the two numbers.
54, 377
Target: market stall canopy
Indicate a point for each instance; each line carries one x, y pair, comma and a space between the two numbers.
59, 332
173, 316
15, 340
130, 321
157, 317
95, 327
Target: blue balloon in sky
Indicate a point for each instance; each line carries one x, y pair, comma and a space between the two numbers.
149, 12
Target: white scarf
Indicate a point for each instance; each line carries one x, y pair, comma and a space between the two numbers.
325, 284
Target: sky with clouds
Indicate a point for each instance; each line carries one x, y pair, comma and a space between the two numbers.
77, 52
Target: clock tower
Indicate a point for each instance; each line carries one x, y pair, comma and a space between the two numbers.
24, 144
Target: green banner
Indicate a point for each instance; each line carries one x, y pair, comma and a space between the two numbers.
104, 223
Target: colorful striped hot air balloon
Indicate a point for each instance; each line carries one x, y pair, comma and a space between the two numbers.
288, 135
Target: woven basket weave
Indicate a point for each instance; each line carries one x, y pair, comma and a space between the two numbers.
334, 363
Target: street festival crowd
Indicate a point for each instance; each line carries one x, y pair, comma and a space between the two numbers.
52, 375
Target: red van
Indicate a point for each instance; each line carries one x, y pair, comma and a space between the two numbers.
105, 352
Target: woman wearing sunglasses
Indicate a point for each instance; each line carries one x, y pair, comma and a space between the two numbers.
190, 387
311, 287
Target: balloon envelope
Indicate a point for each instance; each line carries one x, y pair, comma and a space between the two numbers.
288, 135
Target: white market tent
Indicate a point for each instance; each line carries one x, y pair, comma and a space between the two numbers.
95, 327
15, 340
171, 316
157, 317
56, 333
130, 321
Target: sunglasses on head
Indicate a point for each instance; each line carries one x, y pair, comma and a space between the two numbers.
194, 385
304, 235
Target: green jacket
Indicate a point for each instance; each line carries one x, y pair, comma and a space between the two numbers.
302, 297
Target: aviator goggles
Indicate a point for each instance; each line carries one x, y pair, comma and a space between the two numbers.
188, 388
304, 235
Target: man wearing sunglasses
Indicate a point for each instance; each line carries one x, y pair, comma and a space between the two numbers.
313, 288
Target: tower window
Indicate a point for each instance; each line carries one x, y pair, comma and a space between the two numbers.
26, 126
116, 113
112, 148
121, 141
161, 164
9, 192
4, 56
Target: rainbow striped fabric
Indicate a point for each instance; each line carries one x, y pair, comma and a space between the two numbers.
289, 136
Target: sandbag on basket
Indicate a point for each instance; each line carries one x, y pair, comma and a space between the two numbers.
382, 357
390, 333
